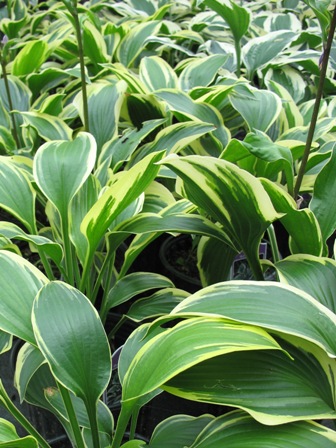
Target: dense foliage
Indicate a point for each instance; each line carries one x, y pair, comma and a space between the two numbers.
123, 121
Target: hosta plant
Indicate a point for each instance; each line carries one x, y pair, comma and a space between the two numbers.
221, 345
122, 121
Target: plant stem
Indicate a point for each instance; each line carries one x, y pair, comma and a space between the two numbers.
238, 56
122, 422
46, 265
273, 243
82, 69
9, 405
67, 250
134, 421
10, 103
71, 415
85, 274
107, 266
116, 327
310, 136
93, 425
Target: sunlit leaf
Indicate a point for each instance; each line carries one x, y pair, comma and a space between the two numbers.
251, 104
61, 167
259, 51
30, 57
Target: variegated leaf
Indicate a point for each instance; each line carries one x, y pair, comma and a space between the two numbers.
17, 195
47, 126
220, 189
269, 305
17, 296
314, 275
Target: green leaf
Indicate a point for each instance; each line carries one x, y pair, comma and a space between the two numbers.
104, 104
133, 284
149, 223
116, 198
29, 360
314, 275
10, 439
273, 158
178, 430
231, 196
47, 126
259, 51
61, 167
239, 430
142, 108
17, 195
214, 260
176, 137
94, 44
271, 386
182, 103
320, 8
20, 95
237, 17
156, 73
50, 248
302, 225
158, 304
290, 115
121, 148
269, 305
200, 71
190, 347
324, 192
252, 103
81, 203
73, 341
30, 58
105, 418
5, 342
20, 281
135, 40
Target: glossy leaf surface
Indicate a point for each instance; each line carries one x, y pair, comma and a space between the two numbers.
60, 168
239, 430
74, 341
302, 225
220, 189
47, 126
30, 57
17, 195
10, 439
323, 195
314, 275
271, 386
251, 104
134, 41
17, 295
269, 305
185, 345
259, 51
117, 197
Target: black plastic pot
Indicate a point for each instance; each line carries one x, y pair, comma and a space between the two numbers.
178, 259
